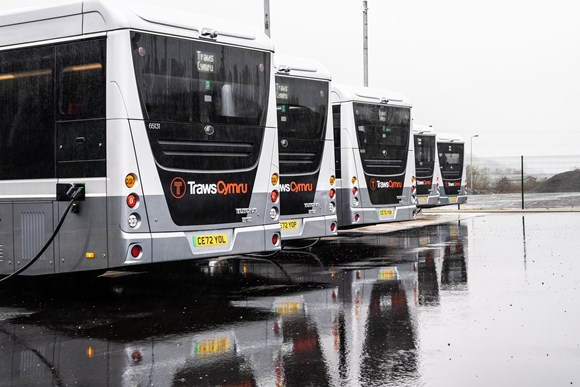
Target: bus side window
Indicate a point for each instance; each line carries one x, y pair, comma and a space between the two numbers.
336, 127
81, 80
81, 124
27, 113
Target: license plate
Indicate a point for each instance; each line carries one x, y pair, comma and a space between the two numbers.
387, 274
286, 308
422, 199
211, 347
288, 225
452, 199
385, 212
209, 240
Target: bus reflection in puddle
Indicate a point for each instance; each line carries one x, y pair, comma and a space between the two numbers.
318, 323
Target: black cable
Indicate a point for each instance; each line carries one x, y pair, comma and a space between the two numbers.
48, 243
301, 247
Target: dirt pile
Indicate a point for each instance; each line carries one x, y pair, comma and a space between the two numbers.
562, 182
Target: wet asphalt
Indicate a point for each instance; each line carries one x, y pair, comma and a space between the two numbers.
489, 301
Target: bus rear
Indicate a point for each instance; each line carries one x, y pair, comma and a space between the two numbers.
164, 119
212, 189
426, 162
451, 154
307, 182
374, 155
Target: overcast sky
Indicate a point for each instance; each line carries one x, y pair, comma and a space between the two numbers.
508, 70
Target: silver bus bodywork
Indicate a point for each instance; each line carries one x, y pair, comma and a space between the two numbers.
314, 216
98, 236
352, 171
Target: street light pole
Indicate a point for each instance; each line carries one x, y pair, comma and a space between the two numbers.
267, 17
365, 45
471, 163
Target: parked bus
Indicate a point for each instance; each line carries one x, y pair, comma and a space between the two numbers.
451, 153
426, 163
306, 149
374, 156
165, 120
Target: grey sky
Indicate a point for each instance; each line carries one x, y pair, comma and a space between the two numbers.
506, 70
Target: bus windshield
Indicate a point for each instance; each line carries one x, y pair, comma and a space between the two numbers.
302, 107
383, 137
189, 81
424, 155
451, 160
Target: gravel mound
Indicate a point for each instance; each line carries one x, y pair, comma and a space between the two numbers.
562, 182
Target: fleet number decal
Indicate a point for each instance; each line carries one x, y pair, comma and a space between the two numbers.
209, 240
288, 225
385, 212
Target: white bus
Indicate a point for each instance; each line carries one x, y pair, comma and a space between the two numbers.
306, 149
374, 156
451, 155
168, 121
426, 163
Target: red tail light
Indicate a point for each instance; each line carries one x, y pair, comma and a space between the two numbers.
132, 200
332, 227
412, 188
356, 217
275, 239
354, 190
274, 196
136, 251
332, 193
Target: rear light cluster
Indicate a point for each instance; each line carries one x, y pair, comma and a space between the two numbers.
132, 201
274, 197
332, 194
354, 190
134, 219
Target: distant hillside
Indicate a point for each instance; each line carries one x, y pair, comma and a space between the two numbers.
562, 182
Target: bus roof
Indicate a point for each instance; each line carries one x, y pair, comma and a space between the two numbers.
449, 137
300, 67
82, 17
424, 130
341, 93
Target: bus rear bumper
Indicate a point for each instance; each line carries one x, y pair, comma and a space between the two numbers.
312, 227
451, 200
427, 200
179, 246
375, 215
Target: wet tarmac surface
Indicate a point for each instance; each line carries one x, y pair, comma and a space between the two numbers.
490, 301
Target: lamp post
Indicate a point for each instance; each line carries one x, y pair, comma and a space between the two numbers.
267, 17
365, 44
471, 163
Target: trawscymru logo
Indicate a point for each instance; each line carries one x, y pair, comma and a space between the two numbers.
179, 188
374, 184
296, 187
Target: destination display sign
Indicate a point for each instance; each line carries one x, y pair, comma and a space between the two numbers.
282, 92
205, 62
382, 116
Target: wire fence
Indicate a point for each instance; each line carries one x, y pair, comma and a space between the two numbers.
504, 174
523, 182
